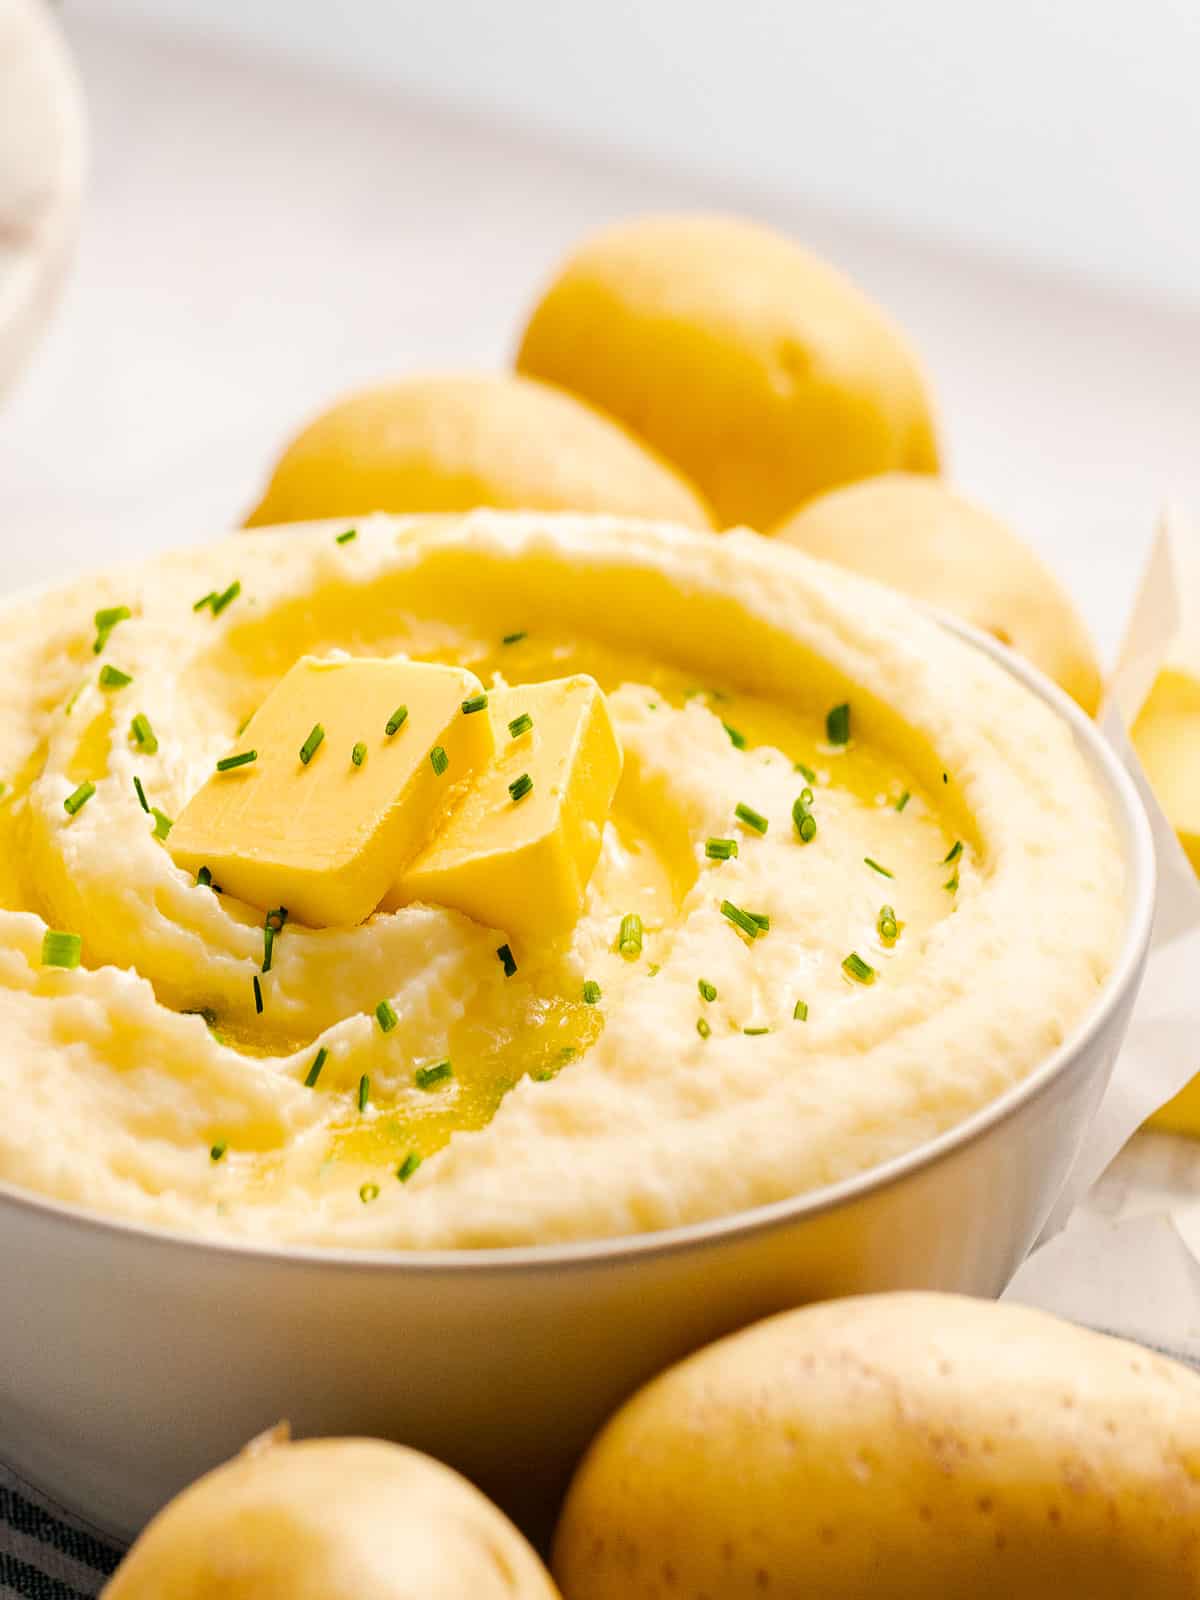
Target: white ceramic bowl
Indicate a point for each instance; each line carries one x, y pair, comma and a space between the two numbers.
132, 1360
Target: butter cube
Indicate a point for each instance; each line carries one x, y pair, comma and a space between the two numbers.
327, 837
522, 865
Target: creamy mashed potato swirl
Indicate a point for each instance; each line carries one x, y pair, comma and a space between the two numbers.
146, 1084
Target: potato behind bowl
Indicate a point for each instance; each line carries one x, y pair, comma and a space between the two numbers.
895, 1447
330, 1519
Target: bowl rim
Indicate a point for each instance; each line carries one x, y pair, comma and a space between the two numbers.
611, 1250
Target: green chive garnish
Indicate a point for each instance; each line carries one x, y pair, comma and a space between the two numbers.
875, 867
368, 1192
720, 849
855, 967
951, 884
736, 738
439, 760
903, 800
79, 798
837, 725
345, 538
764, 922
629, 940
61, 949
258, 999
113, 678
520, 787
953, 853
741, 919
514, 638
314, 1072
276, 918
359, 754
162, 823
805, 772
802, 818
408, 1166
312, 744
205, 600
364, 1091
228, 763
204, 878
889, 928
268, 947
753, 1033
70, 705
218, 1150
385, 1016
106, 621
520, 725
708, 991
507, 960
428, 1077
751, 818
226, 597
397, 720
702, 1028
141, 794
801, 1012
591, 992
477, 702
142, 735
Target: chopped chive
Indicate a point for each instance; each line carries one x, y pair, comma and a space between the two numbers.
751, 818
61, 949
763, 921
408, 1166
218, 1150
951, 884
837, 724
507, 960
514, 638
591, 992
314, 1072
889, 928
945, 777
753, 1033
106, 621
520, 787
364, 1091
875, 867
143, 735
162, 823
113, 678
953, 853
805, 772
345, 538
903, 800
629, 939
268, 947
385, 1016
276, 918
79, 798
70, 705
204, 877
359, 754
520, 725
228, 763
312, 744
477, 702
802, 818
736, 738
720, 849
141, 794
741, 919
429, 1077
258, 999
439, 760
368, 1192
226, 597
801, 1012
855, 967
702, 1028
397, 720
205, 600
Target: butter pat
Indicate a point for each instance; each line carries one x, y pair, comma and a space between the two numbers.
326, 838
523, 865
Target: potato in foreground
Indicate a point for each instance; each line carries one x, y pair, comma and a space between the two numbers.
756, 367
896, 1446
916, 535
452, 443
330, 1519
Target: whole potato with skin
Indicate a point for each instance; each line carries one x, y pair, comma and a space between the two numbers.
756, 367
452, 443
916, 535
895, 1447
330, 1519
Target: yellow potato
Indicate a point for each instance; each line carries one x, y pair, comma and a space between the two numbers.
327, 1519
916, 535
453, 443
1166, 736
892, 1448
754, 365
